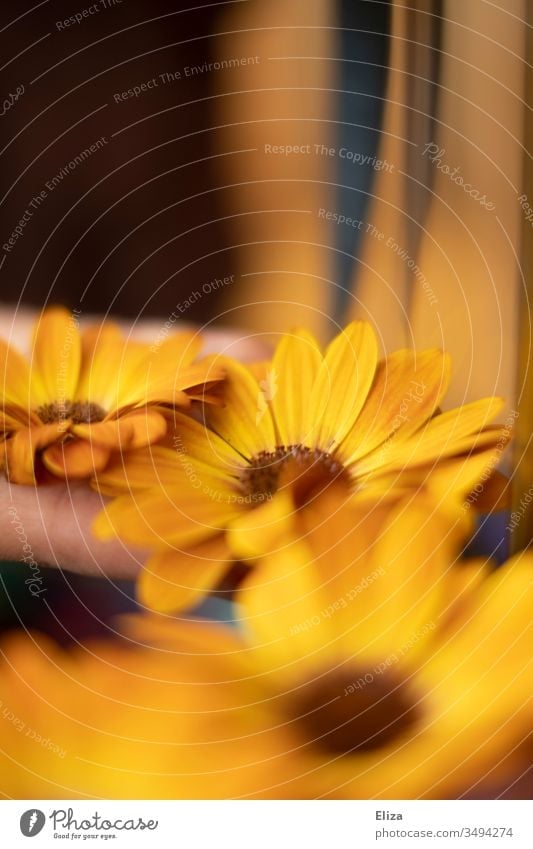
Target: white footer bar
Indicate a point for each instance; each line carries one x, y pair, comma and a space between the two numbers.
268, 825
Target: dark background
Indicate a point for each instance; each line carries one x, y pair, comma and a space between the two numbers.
99, 240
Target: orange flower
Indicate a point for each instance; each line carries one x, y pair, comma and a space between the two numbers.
81, 396
289, 430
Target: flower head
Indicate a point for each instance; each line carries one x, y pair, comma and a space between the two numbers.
81, 397
369, 664
400, 669
289, 430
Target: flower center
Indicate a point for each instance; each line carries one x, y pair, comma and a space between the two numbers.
80, 412
307, 471
357, 711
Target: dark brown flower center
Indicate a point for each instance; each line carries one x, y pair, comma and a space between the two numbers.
355, 712
80, 412
307, 471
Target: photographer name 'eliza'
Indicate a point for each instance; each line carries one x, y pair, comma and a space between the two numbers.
388, 815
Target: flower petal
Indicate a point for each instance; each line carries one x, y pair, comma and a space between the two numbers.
192, 438
56, 354
173, 580
133, 430
468, 474
15, 380
75, 458
399, 611
454, 432
407, 389
358, 584
109, 367
342, 384
245, 421
180, 516
282, 604
497, 621
141, 468
160, 466
166, 374
256, 532
14, 418
480, 683
21, 447
295, 364
180, 348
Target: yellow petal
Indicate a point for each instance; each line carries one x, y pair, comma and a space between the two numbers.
466, 476
357, 585
141, 468
179, 348
121, 372
158, 466
166, 374
383, 563
463, 580
15, 380
173, 580
454, 432
192, 438
282, 602
492, 494
13, 418
295, 366
245, 421
151, 629
479, 681
407, 389
75, 458
260, 369
472, 476
109, 368
342, 384
148, 426
259, 530
399, 611
134, 430
180, 516
56, 354
496, 624
20, 450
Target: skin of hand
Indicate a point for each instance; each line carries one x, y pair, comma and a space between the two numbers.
52, 524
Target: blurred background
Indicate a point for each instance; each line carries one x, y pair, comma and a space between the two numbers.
258, 165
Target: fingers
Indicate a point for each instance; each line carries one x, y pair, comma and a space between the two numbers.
52, 525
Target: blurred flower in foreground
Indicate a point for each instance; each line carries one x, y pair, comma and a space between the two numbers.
82, 396
287, 432
369, 666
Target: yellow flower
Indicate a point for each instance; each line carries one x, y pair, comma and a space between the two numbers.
126, 720
370, 665
287, 432
82, 396
404, 671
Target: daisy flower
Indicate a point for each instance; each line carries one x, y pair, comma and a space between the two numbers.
229, 488
369, 665
82, 396
402, 671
